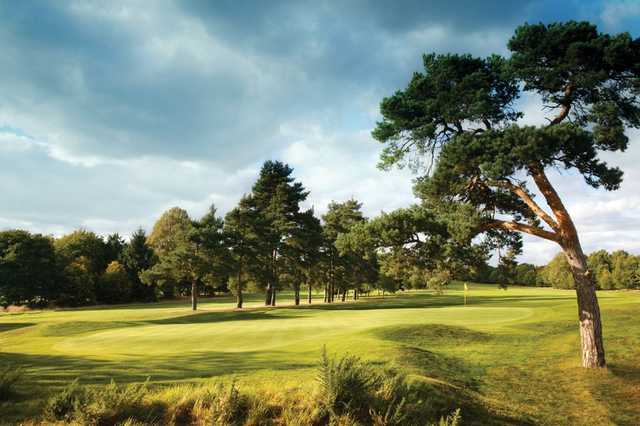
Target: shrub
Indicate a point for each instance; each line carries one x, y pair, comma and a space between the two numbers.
350, 393
61, 405
229, 408
108, 404
453, 419
9, 377
346, 386
113, 403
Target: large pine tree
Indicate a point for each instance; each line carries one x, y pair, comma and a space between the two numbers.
460, 112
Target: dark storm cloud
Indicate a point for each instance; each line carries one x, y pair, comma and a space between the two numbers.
293, 60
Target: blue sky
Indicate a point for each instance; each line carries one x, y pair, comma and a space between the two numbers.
112, 112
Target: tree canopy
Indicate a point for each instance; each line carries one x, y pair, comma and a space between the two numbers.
459, 119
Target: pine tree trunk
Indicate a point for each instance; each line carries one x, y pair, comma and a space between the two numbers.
267, 299
344, 294
273, 296
296, 293
239, 289
588, 308
309, 298
331, 276
194, 295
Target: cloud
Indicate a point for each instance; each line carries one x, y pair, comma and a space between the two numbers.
112, 112
618, 11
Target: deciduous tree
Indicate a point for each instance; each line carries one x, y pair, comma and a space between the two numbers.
28, 268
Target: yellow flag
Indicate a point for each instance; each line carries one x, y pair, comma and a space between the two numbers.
465, 287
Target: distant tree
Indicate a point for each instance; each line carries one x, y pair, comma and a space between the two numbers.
189, 252
79, 285
28, 268
416, 244
276, 197
209, 239
507, 269
172, 225
557, 273
339, 219
115, 244
85, 244
600, 266
302, 252
461, 112
526, 274
114, 285
387, 284
623, 269
137, 256
243, 242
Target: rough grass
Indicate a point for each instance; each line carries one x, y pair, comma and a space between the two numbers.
506, 357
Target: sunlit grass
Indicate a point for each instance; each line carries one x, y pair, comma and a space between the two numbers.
511, 354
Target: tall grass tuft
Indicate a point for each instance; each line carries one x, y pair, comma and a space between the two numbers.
347, 386
349, 392
9, 377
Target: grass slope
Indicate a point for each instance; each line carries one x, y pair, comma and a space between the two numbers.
507, 355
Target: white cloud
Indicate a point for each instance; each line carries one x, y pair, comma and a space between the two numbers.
615, 11
335, 167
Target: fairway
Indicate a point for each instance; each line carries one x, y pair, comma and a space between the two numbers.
515, 351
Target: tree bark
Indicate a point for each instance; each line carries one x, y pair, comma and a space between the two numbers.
331, 275
296, 293
267, 299
239, 289
344, 294
273, 296
194, 295
309, 297
588, 308
593, 355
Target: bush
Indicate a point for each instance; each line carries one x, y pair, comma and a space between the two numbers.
62, 405
350, 393
102, 405
228, 408
346, 386
9, 377
114, 285
452, 419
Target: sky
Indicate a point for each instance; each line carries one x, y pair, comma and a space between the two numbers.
112, 112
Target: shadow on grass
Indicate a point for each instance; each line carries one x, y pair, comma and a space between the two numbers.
214, 317
71, 328
44, 371
627, 372
420, 346
474, 410
414, 301
8, 326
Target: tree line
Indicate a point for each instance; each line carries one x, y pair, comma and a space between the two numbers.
617, 270
266, 243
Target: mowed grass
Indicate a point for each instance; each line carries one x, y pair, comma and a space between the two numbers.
507, 356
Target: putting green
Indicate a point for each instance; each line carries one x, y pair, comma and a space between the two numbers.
262, 334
